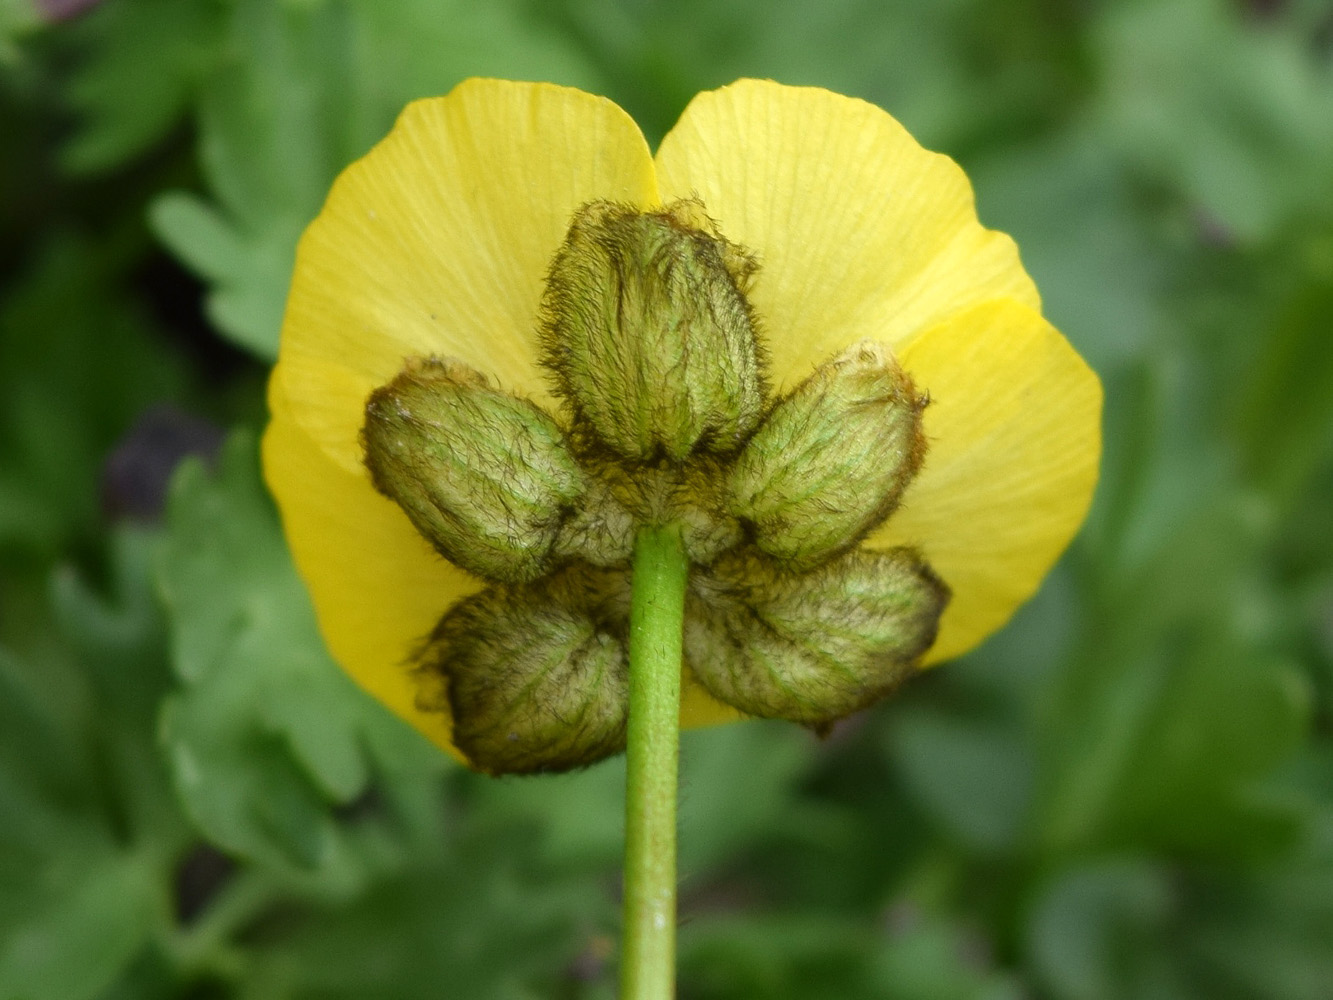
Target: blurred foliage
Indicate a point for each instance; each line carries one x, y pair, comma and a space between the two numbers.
1128, 793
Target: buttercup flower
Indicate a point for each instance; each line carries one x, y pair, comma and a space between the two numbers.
823, 275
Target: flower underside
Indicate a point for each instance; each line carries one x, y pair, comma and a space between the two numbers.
668, 419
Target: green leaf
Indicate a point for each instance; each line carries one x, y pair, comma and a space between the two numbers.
575, 819
923, 61
1273, 937
932, 958
17, 18
1094, 933
140, 62
741, 787
1162, 731
266, 736
89, 833
772, 956
809, 956
82, 922
1171, 747
474, 921
1233, 115
1269, 932
304, 90
1286, 410
68, 333
1125, 928
973, 775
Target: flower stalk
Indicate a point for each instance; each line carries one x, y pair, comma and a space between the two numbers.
657, 612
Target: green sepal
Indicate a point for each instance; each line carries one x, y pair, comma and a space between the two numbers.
483, 475
832, 459
535, 676
649, 333
816, 646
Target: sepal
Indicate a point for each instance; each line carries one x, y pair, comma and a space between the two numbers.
816, 646
483, 475
832, 458
534, 676
649, 334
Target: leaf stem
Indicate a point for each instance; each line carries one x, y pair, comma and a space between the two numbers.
657, 614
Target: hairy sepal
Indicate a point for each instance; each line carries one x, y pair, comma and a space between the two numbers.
484, 476
832, 459
649, 334
811, 647
534, 676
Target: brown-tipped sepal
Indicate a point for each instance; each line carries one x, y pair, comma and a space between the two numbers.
811, 647
485, 476
535, 676
649, 333
832, 459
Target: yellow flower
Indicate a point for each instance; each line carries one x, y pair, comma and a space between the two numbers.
438, 241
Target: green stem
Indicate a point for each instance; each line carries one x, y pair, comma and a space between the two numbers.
208, 945
657, 614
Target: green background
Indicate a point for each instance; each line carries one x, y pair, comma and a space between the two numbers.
1128, 793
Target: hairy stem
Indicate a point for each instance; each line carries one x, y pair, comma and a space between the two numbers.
648, 958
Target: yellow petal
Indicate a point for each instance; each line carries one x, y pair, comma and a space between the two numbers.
438, 240
860, 232
377, 586
699, 708
1014, 432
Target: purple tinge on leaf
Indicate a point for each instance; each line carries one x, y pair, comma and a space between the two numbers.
63, 10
